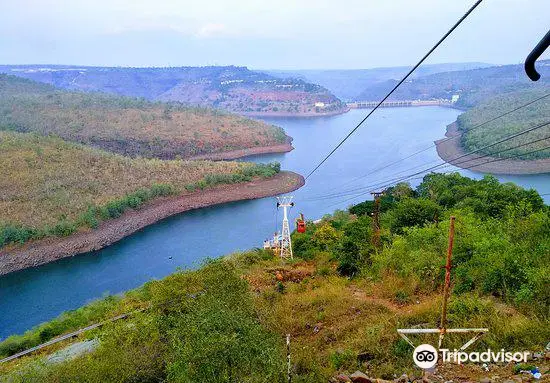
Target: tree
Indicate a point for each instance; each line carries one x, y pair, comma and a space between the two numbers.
326, 236
413, 212
349, 257
402, 190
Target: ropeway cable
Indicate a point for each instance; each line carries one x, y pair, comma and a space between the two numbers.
453, 161
464, 168
396, 86
445, 140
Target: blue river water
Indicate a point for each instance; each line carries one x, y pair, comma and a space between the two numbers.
35, 295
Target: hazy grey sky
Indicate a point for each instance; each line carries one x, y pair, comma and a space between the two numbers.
284, 34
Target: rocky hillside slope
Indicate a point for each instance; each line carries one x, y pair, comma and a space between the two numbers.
236, 89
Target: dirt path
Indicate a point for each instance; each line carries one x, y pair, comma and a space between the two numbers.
51, 249
450, 149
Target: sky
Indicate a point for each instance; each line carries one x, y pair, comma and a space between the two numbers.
263, 34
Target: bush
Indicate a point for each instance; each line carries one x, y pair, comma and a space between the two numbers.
213, 329
16, 234
413, 212
486, 197
302, 244
349, 258
62, 229
68, 321
367, 207
89, 218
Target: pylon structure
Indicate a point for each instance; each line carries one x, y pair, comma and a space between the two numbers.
376, 219
286, 244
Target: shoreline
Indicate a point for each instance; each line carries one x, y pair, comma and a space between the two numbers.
294, 115
47, 250
239, 153
449, 149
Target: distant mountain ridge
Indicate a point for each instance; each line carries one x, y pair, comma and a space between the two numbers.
472, 86
233, 88
348, 84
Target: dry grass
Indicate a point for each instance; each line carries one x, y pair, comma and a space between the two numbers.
340, 325
46, 179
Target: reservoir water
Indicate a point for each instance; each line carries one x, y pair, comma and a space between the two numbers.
35, 295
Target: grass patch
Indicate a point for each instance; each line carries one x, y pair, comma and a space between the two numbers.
54, 188
127, 126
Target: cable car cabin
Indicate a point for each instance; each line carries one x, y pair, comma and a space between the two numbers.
301, 224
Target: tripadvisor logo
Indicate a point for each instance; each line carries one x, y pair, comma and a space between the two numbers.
425, 356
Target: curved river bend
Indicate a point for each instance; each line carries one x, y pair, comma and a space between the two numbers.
32, 296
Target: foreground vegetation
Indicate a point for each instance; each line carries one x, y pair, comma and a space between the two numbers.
341, 299
521, 120
51, 187
128, 126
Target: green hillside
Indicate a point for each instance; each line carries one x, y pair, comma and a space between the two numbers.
128, 126
54, 188
341, 300
516, 122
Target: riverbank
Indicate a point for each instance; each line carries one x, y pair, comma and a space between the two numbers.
296, 115
51, 249
234, 154
450, 149
246, 304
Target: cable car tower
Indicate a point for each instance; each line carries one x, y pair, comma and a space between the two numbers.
286, 244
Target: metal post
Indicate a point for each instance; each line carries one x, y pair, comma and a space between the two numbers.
376, 220
446, 288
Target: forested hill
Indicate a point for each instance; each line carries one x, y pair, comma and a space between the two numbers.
236, 89
473, 86
128, 126
527, 146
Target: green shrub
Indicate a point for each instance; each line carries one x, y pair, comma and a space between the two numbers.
63, 229
213, 329
16, 234
413, 212
89, 218
349, 258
